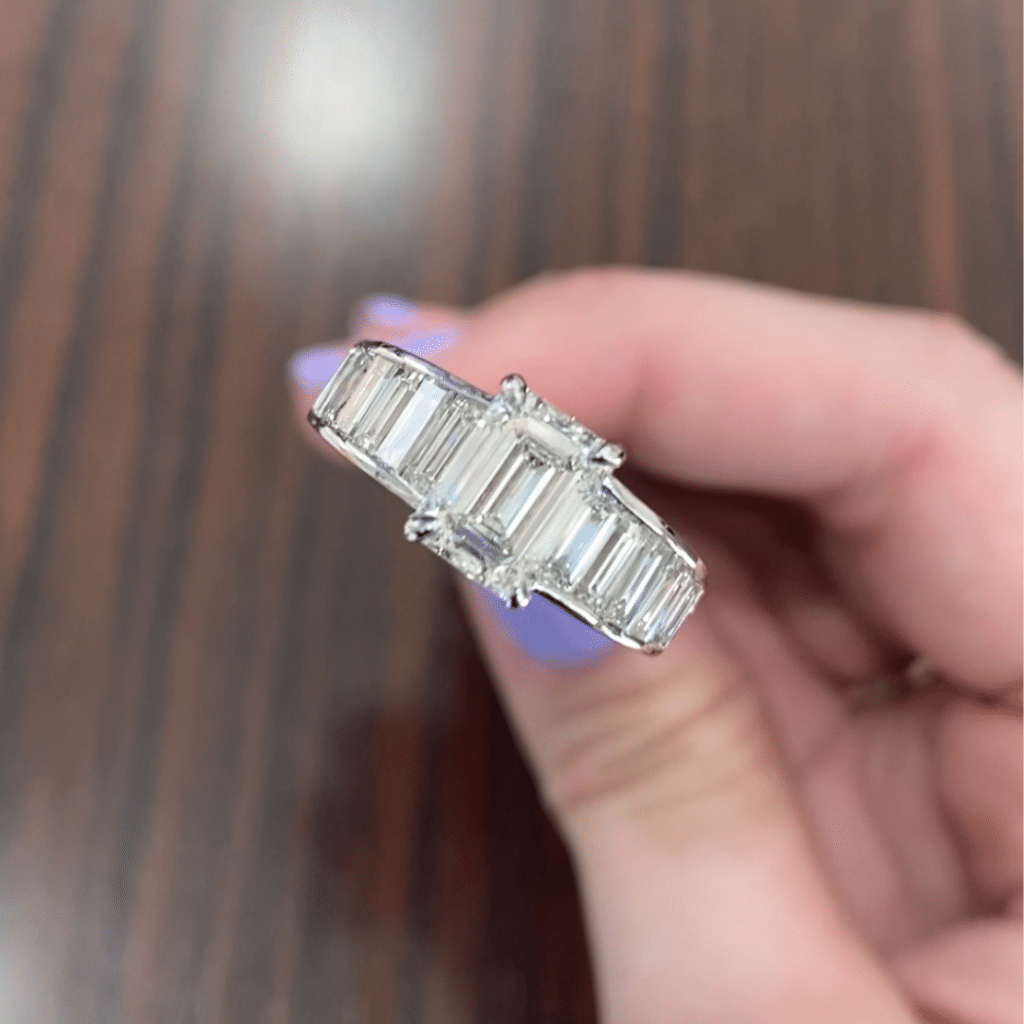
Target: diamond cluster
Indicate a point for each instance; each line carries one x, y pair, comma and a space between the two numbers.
512, 492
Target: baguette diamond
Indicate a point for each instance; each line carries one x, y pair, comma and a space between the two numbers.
512, 492
423, 403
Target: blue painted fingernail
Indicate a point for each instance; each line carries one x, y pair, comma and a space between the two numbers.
429, 343
314, 367
386, 310
548, 634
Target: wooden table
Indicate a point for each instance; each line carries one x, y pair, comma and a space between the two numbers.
250, 767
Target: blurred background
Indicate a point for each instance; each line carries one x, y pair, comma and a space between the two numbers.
250, 766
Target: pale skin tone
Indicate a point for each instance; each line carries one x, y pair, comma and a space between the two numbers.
762, 830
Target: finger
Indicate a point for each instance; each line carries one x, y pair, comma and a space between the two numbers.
702, 895
766, 548
900, 430
391, 318
979, 759
971, 973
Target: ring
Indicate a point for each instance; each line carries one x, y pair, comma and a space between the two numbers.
513, 493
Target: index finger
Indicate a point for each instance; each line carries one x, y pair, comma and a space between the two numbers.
901, 430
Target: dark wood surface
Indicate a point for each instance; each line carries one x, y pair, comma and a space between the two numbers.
250, 765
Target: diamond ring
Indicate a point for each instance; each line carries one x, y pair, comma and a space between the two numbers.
512, 492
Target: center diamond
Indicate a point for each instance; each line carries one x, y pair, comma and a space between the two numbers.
512, 492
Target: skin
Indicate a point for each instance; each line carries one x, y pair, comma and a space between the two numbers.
772, 822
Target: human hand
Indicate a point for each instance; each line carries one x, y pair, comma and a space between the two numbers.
757, 837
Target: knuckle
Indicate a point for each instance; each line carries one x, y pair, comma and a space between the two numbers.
944, 327
951, 341
667, 740
584, 286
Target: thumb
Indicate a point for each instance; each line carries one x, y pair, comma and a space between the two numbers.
700, 887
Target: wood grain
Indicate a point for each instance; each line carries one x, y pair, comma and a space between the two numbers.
250, 765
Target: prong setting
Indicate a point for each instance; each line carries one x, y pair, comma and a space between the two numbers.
608, 456
420, 525
514, 389
512, 492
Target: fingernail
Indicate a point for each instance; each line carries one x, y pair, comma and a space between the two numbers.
546, 633
429, 343
386, 310
315, 366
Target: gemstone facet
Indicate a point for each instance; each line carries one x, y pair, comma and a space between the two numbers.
512, 492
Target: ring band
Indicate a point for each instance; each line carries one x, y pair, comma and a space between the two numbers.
511, 492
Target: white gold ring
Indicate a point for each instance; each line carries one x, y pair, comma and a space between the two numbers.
511, 492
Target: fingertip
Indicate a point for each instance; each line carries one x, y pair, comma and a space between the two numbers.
311, 368
392, 318
546, 634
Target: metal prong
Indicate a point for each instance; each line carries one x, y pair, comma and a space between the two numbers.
420, 525
610, 455
513, 387
515, 494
